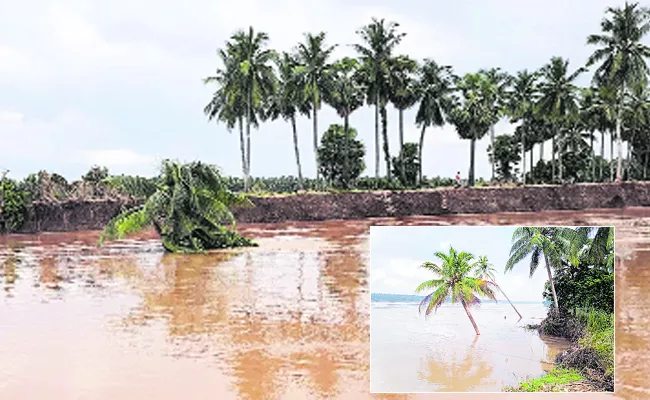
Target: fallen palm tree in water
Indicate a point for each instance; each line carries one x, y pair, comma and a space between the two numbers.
190, 210
454, 282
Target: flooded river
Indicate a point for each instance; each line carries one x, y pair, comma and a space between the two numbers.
286, 320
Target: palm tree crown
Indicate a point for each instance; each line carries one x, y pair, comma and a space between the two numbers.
454, 282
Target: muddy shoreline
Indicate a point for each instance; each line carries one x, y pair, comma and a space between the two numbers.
92, 215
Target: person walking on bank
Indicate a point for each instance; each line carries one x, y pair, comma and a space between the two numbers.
458, 179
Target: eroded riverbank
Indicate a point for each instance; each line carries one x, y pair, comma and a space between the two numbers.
286, 320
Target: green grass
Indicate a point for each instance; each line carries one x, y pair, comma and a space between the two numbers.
551, 382
599, 335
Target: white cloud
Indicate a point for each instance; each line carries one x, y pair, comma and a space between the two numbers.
116, 157
11, 117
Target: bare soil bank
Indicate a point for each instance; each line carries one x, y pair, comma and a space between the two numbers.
92, 215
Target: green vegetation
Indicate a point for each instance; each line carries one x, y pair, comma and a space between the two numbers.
454, 282
580, 266
13, 205
555, 381
339, 148
460, 278
546, 104
188, 210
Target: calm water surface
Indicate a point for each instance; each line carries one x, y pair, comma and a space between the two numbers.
442, 352
287, 320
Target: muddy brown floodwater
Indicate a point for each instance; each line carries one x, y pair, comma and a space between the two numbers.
286, 320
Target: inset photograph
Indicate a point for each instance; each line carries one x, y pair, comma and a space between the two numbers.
491, 309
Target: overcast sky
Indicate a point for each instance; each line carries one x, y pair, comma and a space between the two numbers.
119, 83
396, 253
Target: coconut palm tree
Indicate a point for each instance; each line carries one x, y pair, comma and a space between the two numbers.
345, 94
313, 56
551, 243
485, 270
403, 95
228, 102
595, 245
559, 98
498, 83
453, 281
380, 38
521, 98
289, 100
622, 57
189, 210
604, 117
256, 76
435, 87
471, 114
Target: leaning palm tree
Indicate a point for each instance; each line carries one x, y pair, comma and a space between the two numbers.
345, 94
190, 210
403, 95
551, 243
288, 101
622, 57
435, 87
380, 40
257, 80
313, 58
559, 98
485, 270
453, 281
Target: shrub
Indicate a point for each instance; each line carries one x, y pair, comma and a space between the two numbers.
13, 205
332, 160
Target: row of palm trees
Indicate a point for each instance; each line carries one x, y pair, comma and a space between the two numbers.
255, 84
462, 278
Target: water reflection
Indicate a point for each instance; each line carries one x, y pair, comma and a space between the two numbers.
470, 373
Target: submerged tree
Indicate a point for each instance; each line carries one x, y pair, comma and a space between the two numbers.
454, 282
190, 210
485, 270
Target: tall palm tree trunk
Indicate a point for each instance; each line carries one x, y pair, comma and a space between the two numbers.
531, 166
602, 153
401, 145
249, 110
593, 159
315, 125
384, 133
297, 151
346, 156
513, 306
470, 175
619, 143
242, 145
560, 151
611, 157
492, 144
470, 316
424, 127
377, 136
553, 160
550, 279
523, 158
645, 166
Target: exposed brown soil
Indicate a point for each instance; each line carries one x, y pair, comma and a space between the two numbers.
92, 215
